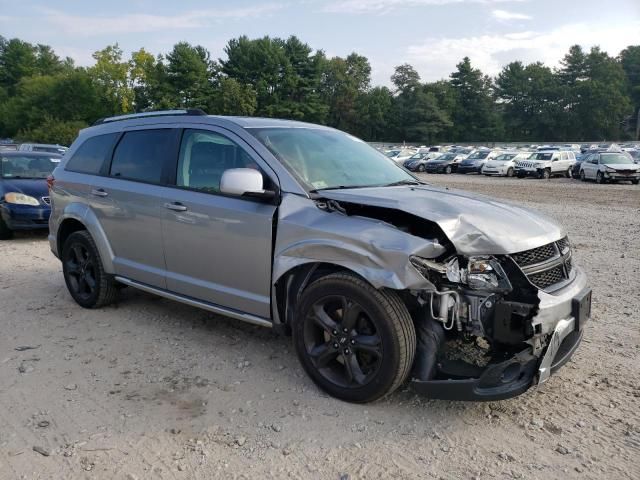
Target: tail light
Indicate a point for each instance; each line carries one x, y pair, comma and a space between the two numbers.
50, 182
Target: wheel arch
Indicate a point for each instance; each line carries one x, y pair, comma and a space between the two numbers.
288, 288
80, 217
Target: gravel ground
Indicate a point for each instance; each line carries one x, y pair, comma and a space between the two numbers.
149, 388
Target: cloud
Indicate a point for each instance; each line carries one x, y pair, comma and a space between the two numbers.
436, 58
505, 16
386, 6
140, 23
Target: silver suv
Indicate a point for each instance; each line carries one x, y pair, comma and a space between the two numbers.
377, 275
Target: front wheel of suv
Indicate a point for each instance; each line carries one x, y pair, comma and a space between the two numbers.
356, 342
84, 274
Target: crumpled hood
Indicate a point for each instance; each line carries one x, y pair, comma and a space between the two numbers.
33, 187
475, 224
623, 166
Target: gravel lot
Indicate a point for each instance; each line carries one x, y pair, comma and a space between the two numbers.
149, 388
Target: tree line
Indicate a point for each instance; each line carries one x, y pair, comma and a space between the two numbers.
590, 96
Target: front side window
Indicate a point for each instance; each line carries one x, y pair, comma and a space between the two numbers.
91, 154
324, 159
141, 154
27, 166
204, 156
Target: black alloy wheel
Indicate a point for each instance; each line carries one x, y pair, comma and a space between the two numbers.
84, 273
356, 342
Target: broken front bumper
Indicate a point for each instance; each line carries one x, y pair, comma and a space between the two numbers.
517, 374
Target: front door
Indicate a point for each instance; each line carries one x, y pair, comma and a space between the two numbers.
217, 247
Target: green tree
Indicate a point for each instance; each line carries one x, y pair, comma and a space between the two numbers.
475, 116
233, 98
630, 61
189, 74
111, 75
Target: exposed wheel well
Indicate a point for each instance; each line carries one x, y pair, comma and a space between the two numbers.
289, 287
67, 227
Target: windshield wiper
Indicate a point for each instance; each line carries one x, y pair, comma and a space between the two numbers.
339, 187
404, 182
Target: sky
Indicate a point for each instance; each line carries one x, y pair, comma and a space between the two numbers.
432, 35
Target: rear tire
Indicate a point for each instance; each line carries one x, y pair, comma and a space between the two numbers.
358, 356
84, 274
568, 173
5, 232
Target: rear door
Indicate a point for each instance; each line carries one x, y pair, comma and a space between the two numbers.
128, 201
218, 248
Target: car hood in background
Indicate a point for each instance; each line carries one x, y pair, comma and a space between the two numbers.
623, 166
475, 224
33, 187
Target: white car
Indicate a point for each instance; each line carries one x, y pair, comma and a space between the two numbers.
400, 155
546, 164
504, 164
607, 167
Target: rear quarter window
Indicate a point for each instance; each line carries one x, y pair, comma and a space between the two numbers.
91, 155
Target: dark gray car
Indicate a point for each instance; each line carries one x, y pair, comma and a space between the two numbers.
308, 230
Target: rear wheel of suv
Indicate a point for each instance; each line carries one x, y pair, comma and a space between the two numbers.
84, 274
355, 342
568, 173
5, 232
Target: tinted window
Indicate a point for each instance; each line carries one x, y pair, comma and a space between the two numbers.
141, 154
91, 154
204, 156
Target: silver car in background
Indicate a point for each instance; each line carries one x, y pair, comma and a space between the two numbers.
504, 164
378, 276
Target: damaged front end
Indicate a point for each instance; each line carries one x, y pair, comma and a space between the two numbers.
489, 323
485, 332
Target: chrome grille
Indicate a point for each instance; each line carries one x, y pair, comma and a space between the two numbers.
548, 265
46, 200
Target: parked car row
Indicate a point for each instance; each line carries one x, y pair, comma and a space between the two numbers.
603, 165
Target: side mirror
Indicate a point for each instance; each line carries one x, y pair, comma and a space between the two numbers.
244, 182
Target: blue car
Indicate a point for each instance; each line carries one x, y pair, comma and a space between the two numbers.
24, 195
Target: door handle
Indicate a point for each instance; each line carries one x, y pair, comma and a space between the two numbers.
98, 192
176, 207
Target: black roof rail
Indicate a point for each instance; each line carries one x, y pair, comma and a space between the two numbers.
156, 113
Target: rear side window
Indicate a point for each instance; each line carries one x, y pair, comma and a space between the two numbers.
141, 155
91, 154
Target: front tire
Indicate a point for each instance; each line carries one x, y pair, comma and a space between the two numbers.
421, 168
84, 274
510, 172
545, 174
448, 170
599, 178
583, 177
5, 232
355, 342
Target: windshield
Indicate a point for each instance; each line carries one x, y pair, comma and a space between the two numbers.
56, 150
478, 156
541, 156
614, 159
392, 153
417, 156
446, 157
505, 157
324, 159
27, 166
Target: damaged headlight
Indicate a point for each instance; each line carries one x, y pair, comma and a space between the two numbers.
480, 273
